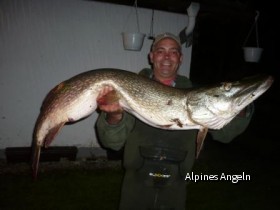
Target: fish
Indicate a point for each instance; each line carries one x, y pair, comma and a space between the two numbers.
158, 105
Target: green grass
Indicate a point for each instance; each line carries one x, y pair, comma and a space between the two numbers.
82, 188
62, 189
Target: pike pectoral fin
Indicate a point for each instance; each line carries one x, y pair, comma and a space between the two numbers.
200, 140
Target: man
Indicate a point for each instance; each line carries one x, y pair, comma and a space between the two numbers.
156, 161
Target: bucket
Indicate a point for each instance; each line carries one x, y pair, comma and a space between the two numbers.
252, 54
133, 41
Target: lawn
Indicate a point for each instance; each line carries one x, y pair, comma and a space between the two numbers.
84, 186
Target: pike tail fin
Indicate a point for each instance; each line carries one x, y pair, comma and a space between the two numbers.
36, 148
52, 133
200, 140
35, 160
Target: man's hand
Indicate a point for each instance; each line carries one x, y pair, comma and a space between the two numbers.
108, 102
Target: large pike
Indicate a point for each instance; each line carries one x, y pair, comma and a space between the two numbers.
160, 106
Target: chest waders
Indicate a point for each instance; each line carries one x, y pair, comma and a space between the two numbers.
160, 171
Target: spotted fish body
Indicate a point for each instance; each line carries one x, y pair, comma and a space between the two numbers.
155, 104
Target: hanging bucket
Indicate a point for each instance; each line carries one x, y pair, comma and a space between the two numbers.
133, 41
252, 54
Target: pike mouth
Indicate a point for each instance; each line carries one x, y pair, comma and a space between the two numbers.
252, 92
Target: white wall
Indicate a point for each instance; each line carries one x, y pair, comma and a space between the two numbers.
45, 42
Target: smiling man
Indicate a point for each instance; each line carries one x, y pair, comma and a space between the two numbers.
156, 161
166, 57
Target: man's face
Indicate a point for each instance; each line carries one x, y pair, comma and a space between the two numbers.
166, 59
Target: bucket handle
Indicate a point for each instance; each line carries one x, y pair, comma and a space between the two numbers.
137, 17
255, 24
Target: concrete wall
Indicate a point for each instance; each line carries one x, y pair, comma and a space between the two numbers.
45, 42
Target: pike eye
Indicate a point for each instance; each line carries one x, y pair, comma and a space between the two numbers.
226, 86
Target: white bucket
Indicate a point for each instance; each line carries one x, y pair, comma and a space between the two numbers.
252, 54
133, 41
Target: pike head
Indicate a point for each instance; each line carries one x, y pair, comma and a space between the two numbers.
213, 107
